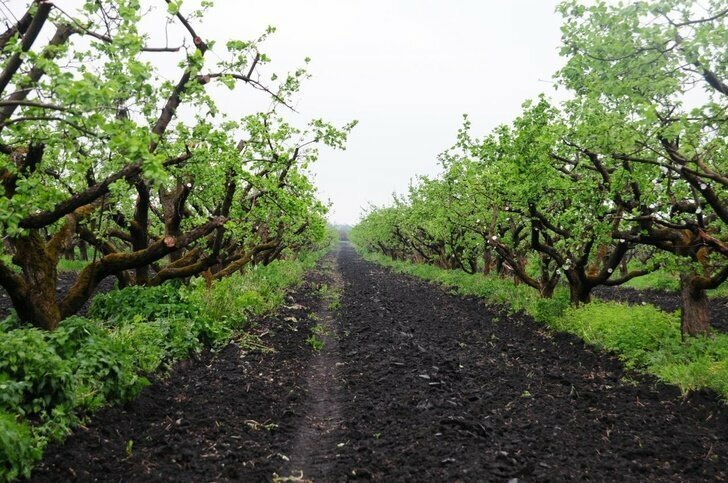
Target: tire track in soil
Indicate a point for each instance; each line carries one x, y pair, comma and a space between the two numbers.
315, 444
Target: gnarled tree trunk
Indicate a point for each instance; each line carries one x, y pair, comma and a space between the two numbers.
695, 318
580, 292
487, 261
35, 300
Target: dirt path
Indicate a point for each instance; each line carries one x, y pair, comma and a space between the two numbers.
315, 445
412, 384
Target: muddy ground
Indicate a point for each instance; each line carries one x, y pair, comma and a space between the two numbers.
411, 384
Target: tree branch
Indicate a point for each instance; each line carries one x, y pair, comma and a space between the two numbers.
14, 63
18, 28
45, 218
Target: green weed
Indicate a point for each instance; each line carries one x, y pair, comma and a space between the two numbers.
18, 449
331, 295
129, 448
315, 342
71, 265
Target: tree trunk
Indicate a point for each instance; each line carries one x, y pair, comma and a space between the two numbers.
172, 206
547, 291
623, 269
487, 262
548, 282
37, 303
39, 307
695, 319
499, 266
580, 293
473, 262
83, 250
140, 229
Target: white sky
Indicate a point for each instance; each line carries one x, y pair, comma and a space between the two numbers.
405, 69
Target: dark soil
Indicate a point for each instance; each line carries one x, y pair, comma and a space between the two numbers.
665, 300
65, 282
413, 384
234, 415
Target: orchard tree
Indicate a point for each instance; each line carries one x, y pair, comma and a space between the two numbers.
378, 231
660, 66
560, 203
435, 224
508, 233
93, 146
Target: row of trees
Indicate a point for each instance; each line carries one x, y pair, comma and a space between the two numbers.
630, 173
98, 146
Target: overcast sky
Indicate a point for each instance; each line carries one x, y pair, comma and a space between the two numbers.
405, 69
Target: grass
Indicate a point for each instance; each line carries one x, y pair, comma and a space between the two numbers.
331, 295
657, 280
315, 342
644, 337
65, 265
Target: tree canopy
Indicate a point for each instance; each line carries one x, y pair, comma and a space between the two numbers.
628, 174
99, 146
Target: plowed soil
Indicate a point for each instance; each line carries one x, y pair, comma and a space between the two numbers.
412, 384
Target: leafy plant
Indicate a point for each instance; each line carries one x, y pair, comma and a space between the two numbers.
316, 342
141, 303
18, 450
129, 448
34, 378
